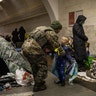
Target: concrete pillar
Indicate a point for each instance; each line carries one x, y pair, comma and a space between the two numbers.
52, 9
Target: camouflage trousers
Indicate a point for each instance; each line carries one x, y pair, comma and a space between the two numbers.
35, 55
39, 67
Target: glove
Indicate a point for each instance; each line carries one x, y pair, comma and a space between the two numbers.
60, 51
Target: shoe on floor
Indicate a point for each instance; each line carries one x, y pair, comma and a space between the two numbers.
39, 88
43, 82
57, 82
71, 83
63, 83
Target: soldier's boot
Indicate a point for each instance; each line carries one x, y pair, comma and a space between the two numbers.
39, 87
43, 82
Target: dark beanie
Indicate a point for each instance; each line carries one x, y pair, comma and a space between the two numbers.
56, 25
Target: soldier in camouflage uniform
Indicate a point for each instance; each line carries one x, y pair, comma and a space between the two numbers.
34, 49
11, 57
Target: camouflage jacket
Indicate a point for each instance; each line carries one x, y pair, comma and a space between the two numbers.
40, 37
12, 58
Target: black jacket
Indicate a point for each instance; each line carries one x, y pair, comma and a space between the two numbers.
79, 38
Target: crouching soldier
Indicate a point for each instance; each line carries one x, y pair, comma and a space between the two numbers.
34, 49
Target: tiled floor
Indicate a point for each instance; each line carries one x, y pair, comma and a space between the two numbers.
20, 94
52, 90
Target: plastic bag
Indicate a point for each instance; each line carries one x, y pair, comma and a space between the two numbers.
23, 78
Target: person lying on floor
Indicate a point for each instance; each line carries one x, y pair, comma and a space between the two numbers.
14, 61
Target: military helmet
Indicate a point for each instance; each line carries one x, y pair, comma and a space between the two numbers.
56, 25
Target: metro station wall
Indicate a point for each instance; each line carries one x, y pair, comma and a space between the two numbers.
28, 24
89, 10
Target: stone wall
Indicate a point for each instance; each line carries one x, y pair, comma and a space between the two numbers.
28, 24
88, 8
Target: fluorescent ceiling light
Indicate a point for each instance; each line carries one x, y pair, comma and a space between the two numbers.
1, 0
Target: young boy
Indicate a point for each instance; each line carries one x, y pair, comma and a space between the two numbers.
61, 63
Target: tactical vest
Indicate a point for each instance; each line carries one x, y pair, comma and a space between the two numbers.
39, 34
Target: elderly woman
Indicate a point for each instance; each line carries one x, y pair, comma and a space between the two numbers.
79, 41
